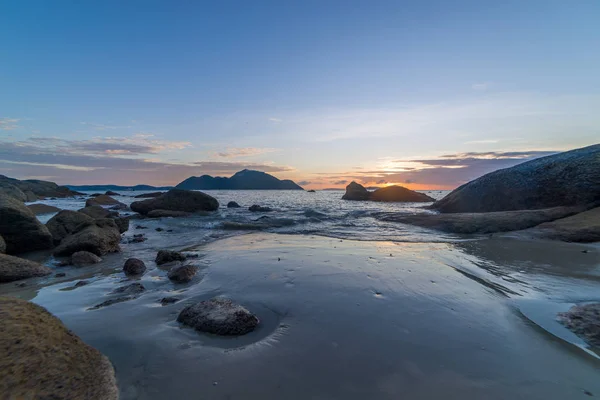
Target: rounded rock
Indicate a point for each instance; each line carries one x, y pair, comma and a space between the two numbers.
219, 316
81, 258
182, 273
134, 266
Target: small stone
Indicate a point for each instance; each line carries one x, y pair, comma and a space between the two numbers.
81, 283
165, 301
141, 227
257, 208
182, 273
133, 288
159, 229
233, 204
167, 256
82, 258
219, 316
60, 275
134, 266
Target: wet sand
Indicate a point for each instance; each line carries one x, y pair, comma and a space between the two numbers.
344, 319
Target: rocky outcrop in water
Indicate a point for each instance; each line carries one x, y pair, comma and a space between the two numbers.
167, 256
64, 223
32, 190
102, 200
134, 266
220, 317
177, 200
20, 229
149, 195
41, 359
566, 179
40, 209
233, 204
257, 208
182, 273
355, 191
14, 269
100, 237
584, 321
111, 193
242, 180
83, 258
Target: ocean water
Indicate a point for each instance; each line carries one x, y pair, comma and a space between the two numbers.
294, 212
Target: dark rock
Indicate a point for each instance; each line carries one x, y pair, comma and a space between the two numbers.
97, 212
257, 208
169, 300
111, 302
32, 190
159, 229
119, 207
111, 193
2, 245
242, 180
177, 200
149, 195
584, 321
167, 256
20, 229
219, 316
131, 289
583, 228
182, 273
95, 194
40, 358
233, 204
122, 224
564, 179
141, 227
39, 209
60, 275
480, 223
139, 238
66, 222
355, 191
12, 192
102, 200
167, 214
99, 237
311, 191
81, 283
83, 258
14, 269
134, 266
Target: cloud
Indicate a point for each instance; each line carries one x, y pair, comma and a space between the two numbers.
235, 152
341, 182
8, 124
272, 119
304, 183
481, 86
487, 141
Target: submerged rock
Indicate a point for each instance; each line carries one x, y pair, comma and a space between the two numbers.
65, 222
169, 300
564, 179
219, 316
177, 200
134, 266
111, 302
395, 193
82, 258
584, 321
182, 273
15, 268
20, 229
257, 208
99, 237
102, 200
233, 204
167, 256
39, 209
131, 289
41, 359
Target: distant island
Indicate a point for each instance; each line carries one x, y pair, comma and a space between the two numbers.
243, 180
104, 188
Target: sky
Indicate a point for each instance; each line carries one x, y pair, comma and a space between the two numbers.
425, 94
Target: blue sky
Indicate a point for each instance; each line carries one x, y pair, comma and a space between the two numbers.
322, 92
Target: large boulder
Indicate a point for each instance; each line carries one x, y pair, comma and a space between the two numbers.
65, 222
102, 200
14, 268
583, 228
355, 191
219, 316
39, 209
177, 200
2, 245
20, 228
99, 237
41, 359
565, 179
98, 212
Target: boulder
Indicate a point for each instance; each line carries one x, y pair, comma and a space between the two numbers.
233, 204
13, 192
149, 195
219, 316
131, 289
564, 179
2, 245
14, 268
182, 273
257, 208
584, 321
167, 214
134, 266
41, 359
99, 237
102, 200
98, 212
122, 223
119, 207
31, 196
583, 228
32, 190
83, 258
167, 256
39, 209
177, 200
20, 229
355, 191
480, 223
111, 193
64, 223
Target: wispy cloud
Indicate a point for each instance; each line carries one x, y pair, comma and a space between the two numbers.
481, 86
273, 119
236, 152
8, 124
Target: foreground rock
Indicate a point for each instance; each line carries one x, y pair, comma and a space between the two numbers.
220, 317
182, 273
97, 211
233, 204
99, 237
83, 258
167, 256
14, 269
470, 223
40, 209
565, 179
584, 321
355, 191
177, 200
134, 266
20, 229
41, 359
582, 228
65, 222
